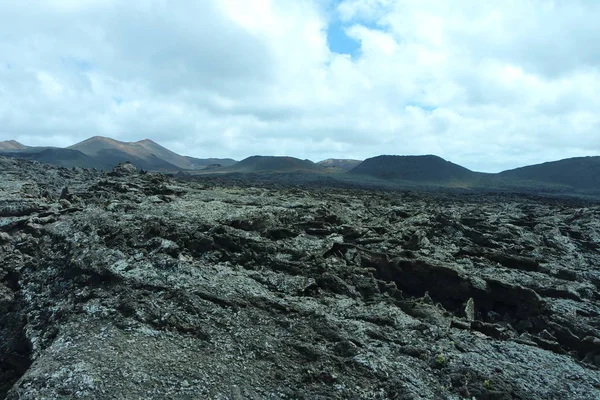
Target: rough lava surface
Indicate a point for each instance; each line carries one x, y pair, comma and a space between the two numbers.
139, 286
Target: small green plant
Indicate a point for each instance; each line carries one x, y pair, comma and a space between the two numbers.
441, 361
488, 384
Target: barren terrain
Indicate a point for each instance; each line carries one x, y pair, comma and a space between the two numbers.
141, 286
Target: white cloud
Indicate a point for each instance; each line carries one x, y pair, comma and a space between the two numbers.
489, 85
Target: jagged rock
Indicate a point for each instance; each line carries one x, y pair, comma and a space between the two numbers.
66, 195
470, 310
214, 288
123, 169
418, 240
4, 237
456, 323
346, 349
335, 284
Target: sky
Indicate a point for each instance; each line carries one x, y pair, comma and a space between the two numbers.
489, 85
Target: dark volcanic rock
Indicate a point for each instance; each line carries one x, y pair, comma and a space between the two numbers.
143, 286
123, 169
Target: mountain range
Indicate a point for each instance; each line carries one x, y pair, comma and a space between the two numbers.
581, 174
104, 153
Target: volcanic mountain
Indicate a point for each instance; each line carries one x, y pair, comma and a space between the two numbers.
11, 145
274, 164
184, 162
112, 152
145, 154
61, 157
339, 164
579, 173
104, 153
51, 155
421, 169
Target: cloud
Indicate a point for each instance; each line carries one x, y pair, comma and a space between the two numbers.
484, 84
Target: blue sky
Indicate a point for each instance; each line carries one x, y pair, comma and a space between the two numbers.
339, 42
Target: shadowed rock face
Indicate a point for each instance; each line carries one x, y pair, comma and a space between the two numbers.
142, 286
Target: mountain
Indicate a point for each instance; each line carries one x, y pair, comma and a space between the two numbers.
104, 153
47, 155
146, 154
202, 163
94, 145
56, 156
274, 164
11, 145
579, 173
422, 169
183, 162
109, 152
337, 164
103, 160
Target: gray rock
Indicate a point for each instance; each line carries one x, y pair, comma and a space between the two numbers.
212, 288
470, 310
123, 169
4, 237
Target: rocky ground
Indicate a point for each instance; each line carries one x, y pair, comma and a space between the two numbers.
140, 286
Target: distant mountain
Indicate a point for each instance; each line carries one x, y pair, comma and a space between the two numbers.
55, 156
104, 153
202, 163
11, 145
103, 160
96, 144
145, 154
573, 175
579, 173
112, 157
337, 164
274, 164
422, 169
183, 162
